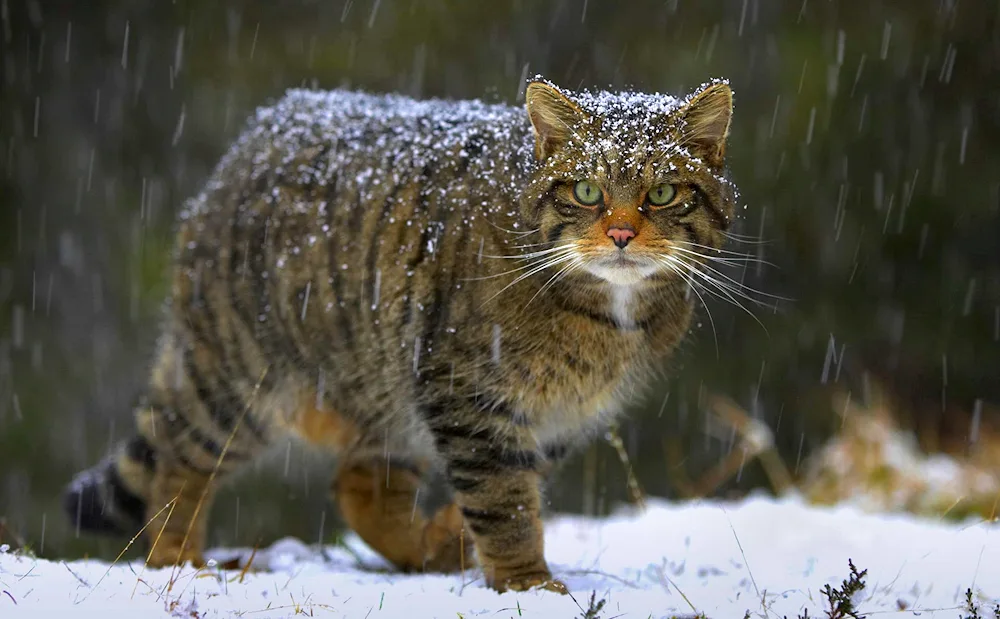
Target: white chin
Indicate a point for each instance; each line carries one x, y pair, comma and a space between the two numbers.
624, 275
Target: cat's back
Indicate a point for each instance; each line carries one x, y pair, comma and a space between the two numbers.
331, 154
314, 136
331, 221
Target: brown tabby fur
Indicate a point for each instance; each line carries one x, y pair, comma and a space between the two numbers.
346, 276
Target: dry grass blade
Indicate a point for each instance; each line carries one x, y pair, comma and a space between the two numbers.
152, 548
77, 576
661, 574
743, 554
125, 549
246, 568
461, 554
215, 470
296, 608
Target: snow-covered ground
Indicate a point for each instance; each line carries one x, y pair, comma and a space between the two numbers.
769, 557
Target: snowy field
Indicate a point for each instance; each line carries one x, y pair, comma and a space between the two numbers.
768, 557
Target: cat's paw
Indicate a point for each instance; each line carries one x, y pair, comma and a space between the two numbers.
168, 553
526, 582
447, 547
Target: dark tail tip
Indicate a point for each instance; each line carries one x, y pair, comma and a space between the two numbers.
97, 501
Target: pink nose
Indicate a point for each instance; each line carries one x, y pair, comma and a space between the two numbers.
621, 236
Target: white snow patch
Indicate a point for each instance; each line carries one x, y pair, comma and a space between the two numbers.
639, 562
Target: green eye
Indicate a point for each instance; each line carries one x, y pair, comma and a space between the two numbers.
587, 193
662, 195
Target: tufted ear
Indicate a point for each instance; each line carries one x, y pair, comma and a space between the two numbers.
552, 116
706, 119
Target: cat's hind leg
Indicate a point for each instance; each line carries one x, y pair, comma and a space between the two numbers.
378, 500
201, 426
377, 487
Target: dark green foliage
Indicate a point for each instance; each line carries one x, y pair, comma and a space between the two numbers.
840, 601
971, 609
594, 607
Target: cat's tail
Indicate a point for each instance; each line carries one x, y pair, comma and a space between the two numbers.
110, 497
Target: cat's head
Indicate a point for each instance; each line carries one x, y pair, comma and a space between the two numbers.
629, 186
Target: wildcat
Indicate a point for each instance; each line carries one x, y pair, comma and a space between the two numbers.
421, 286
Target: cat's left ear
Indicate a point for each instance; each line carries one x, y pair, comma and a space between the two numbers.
553, 117
705, 122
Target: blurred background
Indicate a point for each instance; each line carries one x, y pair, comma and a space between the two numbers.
865, 142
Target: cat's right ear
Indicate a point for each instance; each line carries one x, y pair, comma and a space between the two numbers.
553, 117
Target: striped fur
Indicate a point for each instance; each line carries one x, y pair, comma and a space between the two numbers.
352, 274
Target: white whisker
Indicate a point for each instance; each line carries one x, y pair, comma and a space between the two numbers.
537, 269
514, 232
694, 288
725, 252
746, 239
526, 245
533, 254
555, 278
738, 287
559, 251
732, 262
719, 288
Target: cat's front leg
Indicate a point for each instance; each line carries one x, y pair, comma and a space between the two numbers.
497, 488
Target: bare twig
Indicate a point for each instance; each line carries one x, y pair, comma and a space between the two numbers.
7, 536
635, 491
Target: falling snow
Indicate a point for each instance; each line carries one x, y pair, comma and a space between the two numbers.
864, 145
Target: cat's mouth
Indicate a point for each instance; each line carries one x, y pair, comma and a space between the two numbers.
622, 259
621, 267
